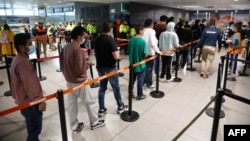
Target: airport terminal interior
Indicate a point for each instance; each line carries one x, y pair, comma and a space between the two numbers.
180, 108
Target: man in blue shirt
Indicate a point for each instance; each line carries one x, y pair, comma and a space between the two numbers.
207, 42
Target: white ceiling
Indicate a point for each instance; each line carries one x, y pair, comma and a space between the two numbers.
181, 4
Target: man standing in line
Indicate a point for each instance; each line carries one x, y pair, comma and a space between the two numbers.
152, 47
107, 54
137, 49
159, 28
26, 87
74, 66
207, 42
41, 37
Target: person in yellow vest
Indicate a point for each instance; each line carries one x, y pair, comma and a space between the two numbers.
50, 32
68, 30
61, 34
41, 38
132, 31
234, 46
7, 36
91, 28
83, 24
124, 34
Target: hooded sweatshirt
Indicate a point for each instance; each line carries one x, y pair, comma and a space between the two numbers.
168, 39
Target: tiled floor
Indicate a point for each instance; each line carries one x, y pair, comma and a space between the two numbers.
160, 119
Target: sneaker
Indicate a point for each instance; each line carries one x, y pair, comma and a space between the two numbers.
102, 112
168, 80
145, 88
121, 109
141, 97
161, 79
99, 124
152, 86
78, 128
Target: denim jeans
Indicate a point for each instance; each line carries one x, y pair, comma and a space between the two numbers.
233, 62
33, 118
114, 82
140, 78
148, 74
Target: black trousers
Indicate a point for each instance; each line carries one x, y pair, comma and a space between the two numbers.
166, 66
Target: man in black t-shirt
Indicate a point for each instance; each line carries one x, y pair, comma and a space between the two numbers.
107, 54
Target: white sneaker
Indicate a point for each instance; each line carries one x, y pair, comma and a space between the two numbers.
162, 79
152, 86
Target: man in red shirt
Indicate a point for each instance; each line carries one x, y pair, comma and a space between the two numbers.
25, 87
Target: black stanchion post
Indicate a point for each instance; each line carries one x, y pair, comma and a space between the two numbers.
93, 85
1, 82
11, 47
157, 93
225, 75
191, 63
41, 78
217, 111
7, 63
210, 111
62, 114
118, 66
176, 79
59, 46
130, 116
244, 73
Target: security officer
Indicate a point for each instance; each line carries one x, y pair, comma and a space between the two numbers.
50, 32
91, 28
124, 33
84, 25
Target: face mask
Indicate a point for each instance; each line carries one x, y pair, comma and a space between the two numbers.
83, 40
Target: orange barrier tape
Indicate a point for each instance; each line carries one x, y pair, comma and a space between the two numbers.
124, 44
69, 90
122, 39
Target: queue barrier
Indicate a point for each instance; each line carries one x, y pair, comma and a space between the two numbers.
69, 90
218, 98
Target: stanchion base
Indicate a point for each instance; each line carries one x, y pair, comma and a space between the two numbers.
210, 112
223, 99
8, 93
191, 69
121, 74
197, 61
227, 90
94, 85
157, 94
129, 118
231, 79
177, 79
42, 78
58, 70
241, 73
1, 83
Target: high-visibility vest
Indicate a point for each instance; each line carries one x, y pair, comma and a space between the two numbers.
123, 28
42, 37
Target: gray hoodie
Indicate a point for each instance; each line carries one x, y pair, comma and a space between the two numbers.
168, 39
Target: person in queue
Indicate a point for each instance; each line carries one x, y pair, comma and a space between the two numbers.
235, 46
137, 49
74, 65
152, 46
107, 54
207, 43
168, 40
26, 87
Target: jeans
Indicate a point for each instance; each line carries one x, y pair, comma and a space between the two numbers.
234, 62
114, 82
140, 78
166, 66
184, 53
148, 74
33, 118
156, 63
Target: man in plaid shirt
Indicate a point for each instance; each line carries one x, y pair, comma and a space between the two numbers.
227, 34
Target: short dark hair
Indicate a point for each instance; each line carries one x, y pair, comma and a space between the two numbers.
203, 20
163, 18
148, 22
20, 39
77, 31
171, 19
138, 28
106, 27
212, 22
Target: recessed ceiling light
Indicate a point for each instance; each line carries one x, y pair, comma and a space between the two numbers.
178, 7
45, 3
59, 1
236, 0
